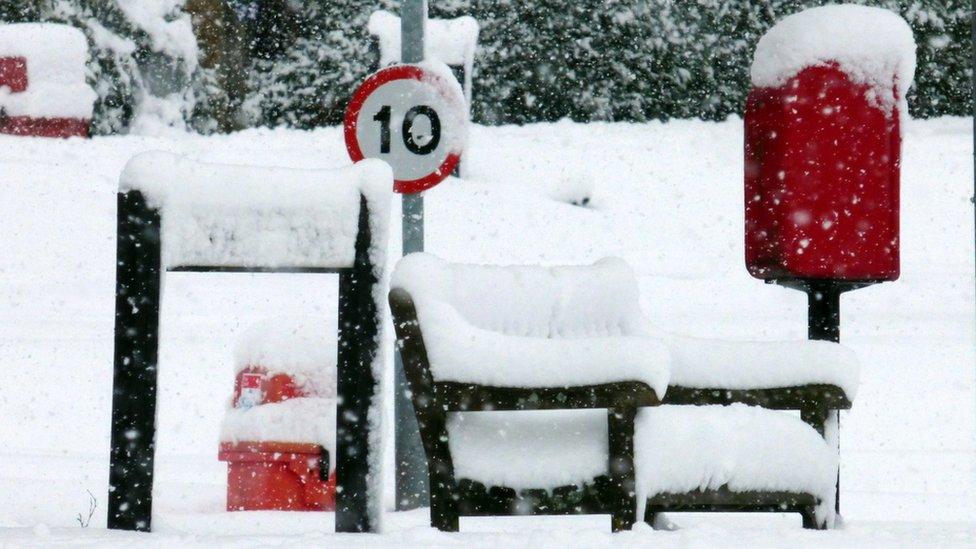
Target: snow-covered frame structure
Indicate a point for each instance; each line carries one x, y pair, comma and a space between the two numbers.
142, 259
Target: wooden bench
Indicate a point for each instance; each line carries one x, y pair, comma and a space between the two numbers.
434, 399
814, 378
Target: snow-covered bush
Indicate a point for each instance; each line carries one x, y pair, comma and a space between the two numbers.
659, 59
309, 83
541, 60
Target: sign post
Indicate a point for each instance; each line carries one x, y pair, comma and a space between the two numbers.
412, 490
415, 118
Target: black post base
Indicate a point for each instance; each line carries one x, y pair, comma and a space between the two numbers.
823, 318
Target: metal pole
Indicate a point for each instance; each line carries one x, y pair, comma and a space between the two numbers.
411, 463
823, 323
973, 99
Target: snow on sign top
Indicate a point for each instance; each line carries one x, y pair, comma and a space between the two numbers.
874, 46
55, 56
450, 41
246, 216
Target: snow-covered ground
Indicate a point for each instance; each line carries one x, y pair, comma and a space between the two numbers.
665, 197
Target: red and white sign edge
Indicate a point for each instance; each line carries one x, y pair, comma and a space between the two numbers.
371, 84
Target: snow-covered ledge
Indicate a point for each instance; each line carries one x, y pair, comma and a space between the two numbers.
240, 216
56, 57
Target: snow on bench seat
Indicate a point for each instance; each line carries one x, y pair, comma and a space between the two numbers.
681, 449
56, 57
530, 326
241, 216
538, 449
714, 364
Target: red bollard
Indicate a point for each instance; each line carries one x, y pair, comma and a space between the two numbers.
821, 180
274, 474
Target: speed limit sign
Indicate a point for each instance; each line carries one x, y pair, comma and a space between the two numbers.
412, 117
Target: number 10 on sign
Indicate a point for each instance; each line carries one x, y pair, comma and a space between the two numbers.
413, 118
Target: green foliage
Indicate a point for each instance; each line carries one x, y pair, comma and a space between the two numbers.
308, 83
660, 59
537, 60
19, 11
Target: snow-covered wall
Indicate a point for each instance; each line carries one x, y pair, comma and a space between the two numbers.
56, 56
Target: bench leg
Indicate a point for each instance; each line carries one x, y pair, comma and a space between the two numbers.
443, 499
809, 515
443, 519
621, 467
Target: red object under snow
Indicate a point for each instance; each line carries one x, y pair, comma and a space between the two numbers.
274, 475
822, 166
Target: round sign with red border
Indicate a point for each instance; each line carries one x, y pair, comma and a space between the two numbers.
414, 118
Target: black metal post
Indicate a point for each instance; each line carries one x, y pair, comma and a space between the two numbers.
823, 311
358, 347
137, 275
823, 322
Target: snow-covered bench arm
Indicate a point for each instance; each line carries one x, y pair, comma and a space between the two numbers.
538, 327
237, 216
743, 365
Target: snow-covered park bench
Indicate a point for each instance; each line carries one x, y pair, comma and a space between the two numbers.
503, 340
175, 214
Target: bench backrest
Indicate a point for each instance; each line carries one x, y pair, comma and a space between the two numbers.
595, 300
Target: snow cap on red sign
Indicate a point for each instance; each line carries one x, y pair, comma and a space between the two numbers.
874, 46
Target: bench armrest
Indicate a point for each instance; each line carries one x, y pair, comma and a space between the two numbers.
820, 396
467, 397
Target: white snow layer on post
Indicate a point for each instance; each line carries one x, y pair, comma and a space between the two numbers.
873, 46
529, 326
56, 58
451, 41
680, 449
303, 347
240, 216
